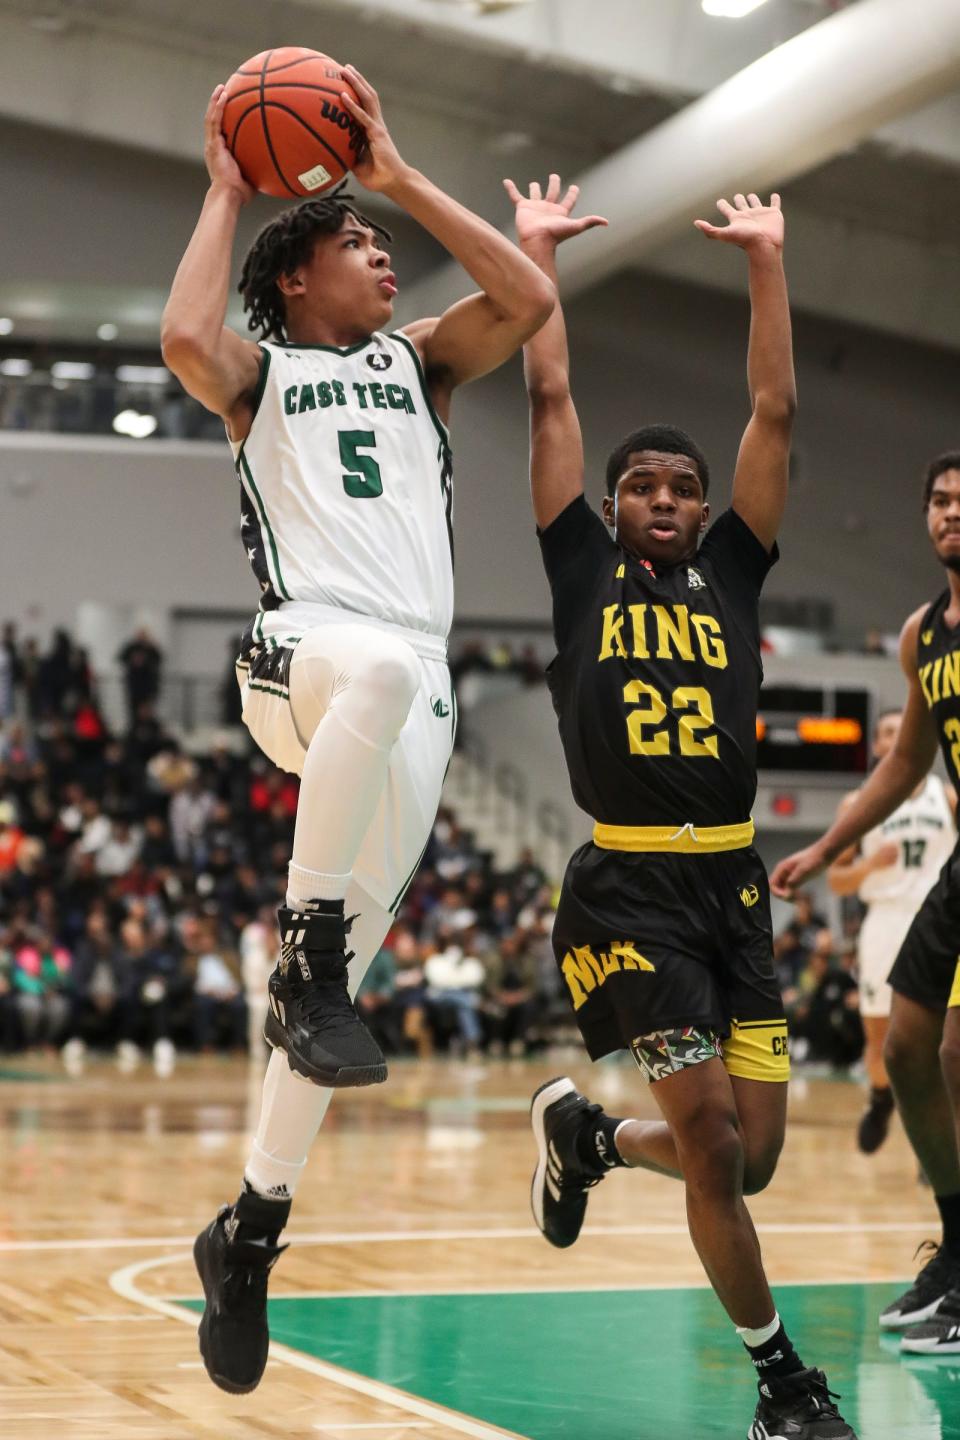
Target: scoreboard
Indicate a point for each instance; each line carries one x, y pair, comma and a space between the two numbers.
814, 729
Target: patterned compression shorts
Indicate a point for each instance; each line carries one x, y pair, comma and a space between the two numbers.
667, 1052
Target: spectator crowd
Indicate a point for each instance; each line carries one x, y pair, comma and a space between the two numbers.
139, 885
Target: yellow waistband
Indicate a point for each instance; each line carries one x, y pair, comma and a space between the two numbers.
688, 840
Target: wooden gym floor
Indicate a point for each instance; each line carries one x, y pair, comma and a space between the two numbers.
417, 1301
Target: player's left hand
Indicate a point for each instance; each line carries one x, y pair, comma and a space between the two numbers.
548, 218
751, 224
380, 163
791, 873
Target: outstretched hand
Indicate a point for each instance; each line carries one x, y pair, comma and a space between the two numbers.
380, 162
796, 869
751, 224
548, 217
221, 166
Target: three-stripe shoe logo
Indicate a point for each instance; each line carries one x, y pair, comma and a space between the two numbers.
554, 1171
279, 1009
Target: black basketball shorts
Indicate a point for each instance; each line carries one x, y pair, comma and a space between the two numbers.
927, 968
649, 942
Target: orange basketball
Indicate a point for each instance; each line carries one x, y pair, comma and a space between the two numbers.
285, 123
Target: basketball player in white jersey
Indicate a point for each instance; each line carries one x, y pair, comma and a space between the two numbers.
338, 427
892, 870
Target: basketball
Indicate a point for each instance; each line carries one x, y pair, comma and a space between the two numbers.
285, 124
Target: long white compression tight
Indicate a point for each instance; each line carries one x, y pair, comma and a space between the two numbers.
292, 1109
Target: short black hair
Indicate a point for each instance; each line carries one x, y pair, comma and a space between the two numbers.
949, 460
281, 246
669, 440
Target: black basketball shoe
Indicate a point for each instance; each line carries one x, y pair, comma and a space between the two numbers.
558, 1194
311, 1015
941, 1334
925, 1296
875, 1122
798, 1407
234, 1268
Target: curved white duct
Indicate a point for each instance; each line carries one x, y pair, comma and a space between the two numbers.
795, 107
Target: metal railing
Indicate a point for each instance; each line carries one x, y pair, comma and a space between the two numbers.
501, 790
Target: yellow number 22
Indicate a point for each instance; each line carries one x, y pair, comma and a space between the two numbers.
694, 700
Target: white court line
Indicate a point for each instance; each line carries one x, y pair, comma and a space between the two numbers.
124, 1283
426, 1237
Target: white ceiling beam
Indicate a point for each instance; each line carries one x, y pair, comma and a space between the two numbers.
797, 106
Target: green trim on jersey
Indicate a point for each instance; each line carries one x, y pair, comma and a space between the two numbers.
332, 349
277, 578
442, 430
255, 399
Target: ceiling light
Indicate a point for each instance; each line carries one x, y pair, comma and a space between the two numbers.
6, 325
72, 370
143, 374
731, 9
132, 423
15, 368
107, 331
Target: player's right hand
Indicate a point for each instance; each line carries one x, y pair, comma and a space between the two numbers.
888, 854
791, 873
548, 217
221, 166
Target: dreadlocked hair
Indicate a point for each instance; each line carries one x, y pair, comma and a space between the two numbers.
283, 245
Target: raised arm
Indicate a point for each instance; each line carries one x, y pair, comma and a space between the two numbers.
556, 447
760, 480
477, 334
213, 364
896, 777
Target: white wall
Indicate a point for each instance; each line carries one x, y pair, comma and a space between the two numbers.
154, 525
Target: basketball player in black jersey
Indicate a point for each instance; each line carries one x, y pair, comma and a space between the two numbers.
663, 933
922, 1051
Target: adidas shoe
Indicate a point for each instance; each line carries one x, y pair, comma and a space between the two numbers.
233, 1334
939, 1335
311, 1015
561, 1181
875, 1121
798, 1407
922, 1301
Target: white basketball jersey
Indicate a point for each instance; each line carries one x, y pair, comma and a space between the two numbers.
923, 831
347, 485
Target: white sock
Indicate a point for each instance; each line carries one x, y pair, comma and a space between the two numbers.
753, 1338
305, 885
273, 1178
616, 1136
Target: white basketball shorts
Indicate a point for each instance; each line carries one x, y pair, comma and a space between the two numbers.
397, 838
883, 931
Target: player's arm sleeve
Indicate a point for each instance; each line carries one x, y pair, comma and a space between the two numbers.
739, 561
575, 548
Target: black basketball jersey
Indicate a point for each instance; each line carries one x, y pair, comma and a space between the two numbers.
657, 676
938, 666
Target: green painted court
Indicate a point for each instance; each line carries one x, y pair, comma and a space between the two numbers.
621, 1364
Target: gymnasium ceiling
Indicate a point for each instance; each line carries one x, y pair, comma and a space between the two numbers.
473, 91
